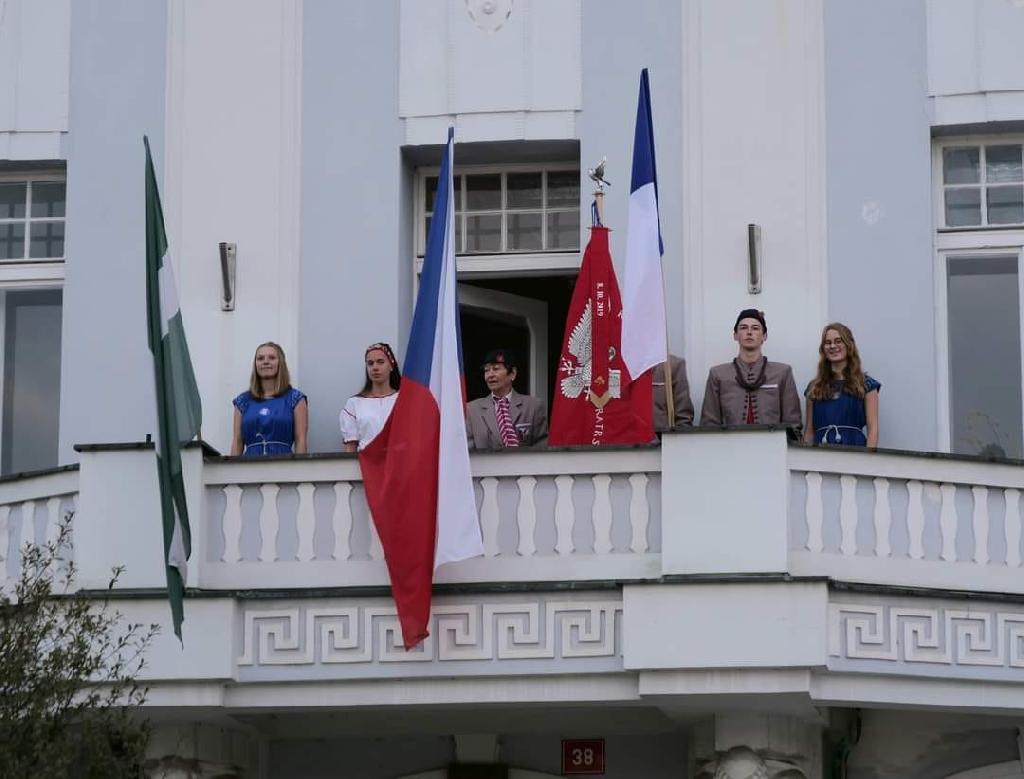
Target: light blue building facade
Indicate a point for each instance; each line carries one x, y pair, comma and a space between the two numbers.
877, 145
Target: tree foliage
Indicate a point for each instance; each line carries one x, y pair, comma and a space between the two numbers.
68, 661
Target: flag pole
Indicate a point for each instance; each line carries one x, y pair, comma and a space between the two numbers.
670, 396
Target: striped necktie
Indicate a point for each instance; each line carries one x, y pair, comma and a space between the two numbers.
508, 432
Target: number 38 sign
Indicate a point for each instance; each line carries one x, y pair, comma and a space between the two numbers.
582, 756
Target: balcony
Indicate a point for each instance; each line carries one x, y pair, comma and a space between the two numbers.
625, 574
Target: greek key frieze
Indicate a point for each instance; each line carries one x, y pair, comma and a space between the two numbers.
940, 635
538, 630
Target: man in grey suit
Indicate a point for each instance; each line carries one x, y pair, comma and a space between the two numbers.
505, 419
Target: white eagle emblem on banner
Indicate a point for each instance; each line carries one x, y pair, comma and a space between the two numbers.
578, 366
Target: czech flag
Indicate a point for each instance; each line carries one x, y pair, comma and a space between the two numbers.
416, 471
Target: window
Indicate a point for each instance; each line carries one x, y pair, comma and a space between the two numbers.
32, 218
515, 210
982, 185
517, 225
31, 324
32, 255
979, 288
983, 305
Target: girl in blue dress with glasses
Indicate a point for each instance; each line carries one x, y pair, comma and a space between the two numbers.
272, 416
842, 401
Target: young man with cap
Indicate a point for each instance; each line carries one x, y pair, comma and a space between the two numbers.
505, 419
750, 390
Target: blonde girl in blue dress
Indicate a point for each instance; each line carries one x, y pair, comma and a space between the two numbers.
272, 416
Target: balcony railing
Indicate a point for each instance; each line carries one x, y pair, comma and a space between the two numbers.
707, 504
544, 516
906, 519
31, 510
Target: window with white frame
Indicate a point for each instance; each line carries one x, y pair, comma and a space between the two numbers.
517, 238
979, 214
982, 184
32, 254
515, 209
32, 214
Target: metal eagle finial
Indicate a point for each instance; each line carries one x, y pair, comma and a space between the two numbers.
597, 175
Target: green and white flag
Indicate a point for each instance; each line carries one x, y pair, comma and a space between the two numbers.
178, 409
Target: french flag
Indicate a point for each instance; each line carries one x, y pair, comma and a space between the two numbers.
416, 471
644, 336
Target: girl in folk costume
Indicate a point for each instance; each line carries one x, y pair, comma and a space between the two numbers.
842, 400
364, 415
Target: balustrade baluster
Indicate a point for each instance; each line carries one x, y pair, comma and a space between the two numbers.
231, 524
848, 514
53, 519
489, 516
947, 522
915, 519
305, 521
526, 516
883, 518
602, 513
979, 524
14, 537
814, 511
269, 523
376, 547
639, 512
565, 515
1013, 528
28, 521
5, 519
51, 532
341, 522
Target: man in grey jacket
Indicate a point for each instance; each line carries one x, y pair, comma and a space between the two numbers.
504, 418
750, 390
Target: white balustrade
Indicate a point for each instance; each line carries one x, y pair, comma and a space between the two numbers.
531, 520
31, 511
876, 517
934, 519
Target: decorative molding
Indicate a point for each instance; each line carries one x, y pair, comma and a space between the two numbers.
541, 630
489, 15
895, 634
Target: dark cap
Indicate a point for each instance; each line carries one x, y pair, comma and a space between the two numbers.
501, 357
750, 313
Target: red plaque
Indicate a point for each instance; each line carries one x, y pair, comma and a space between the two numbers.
582, 756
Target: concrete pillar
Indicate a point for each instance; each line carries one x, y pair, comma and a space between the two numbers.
724, 502
118, 521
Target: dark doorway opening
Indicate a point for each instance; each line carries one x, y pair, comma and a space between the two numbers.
502, 326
